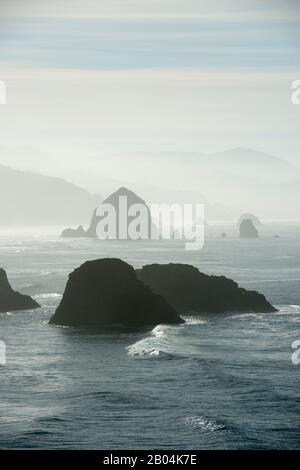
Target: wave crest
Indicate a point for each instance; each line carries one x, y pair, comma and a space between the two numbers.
51, 295
206, 425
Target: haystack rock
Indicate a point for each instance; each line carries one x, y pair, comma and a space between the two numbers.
106, 292
11, 300
116, 200
92, 230
188, 290
247, 229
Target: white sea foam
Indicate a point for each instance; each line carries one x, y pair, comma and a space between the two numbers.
159, 331
194, 321
149, 346
206, 425
165, 340
296, 320
51, 295
288, 309
245, 316
156, 344
143, 348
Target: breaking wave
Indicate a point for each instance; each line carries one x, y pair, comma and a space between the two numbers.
158, 343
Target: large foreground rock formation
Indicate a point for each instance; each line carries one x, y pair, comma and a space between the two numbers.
106, 292
186, 289
11, 300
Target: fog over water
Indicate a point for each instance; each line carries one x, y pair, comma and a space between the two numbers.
171, 102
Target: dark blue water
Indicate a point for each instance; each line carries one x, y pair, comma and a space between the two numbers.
217, 382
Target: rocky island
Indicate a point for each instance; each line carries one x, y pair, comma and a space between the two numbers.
256, 221
248, 229
11, 300
107, 292
74, 232
79, 232
115, 200
186, 289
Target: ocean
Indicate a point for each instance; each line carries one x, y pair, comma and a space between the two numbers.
220, 381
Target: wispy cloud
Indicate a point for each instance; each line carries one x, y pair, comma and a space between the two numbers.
133, 110
232, 10
99, 44
108, 75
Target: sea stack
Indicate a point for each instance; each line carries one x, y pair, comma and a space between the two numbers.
106, 292
247, 229
188, 290
11, 300
121, 200
74, 233
80, 232
125, 197
117, 200
256, 221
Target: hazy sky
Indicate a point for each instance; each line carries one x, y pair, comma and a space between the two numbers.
89, 78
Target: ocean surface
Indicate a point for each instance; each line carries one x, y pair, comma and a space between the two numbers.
223, 381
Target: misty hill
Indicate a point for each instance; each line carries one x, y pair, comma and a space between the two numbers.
155, 194
251, 181
251, 164
28, 198
245, 163
242, 179
26, 158
229, 183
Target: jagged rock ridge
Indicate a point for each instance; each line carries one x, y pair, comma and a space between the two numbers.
186, 289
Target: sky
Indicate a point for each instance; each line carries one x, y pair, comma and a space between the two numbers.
86, 80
